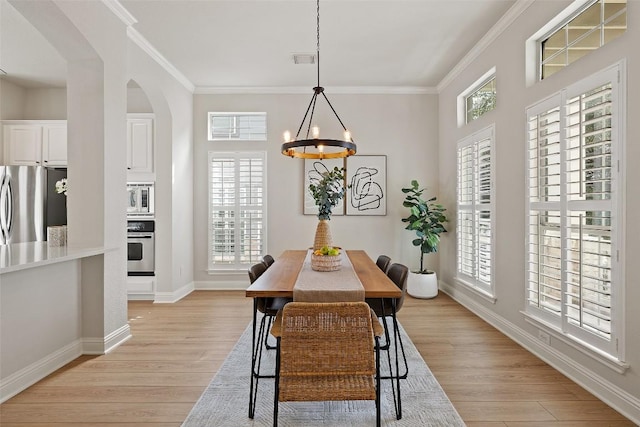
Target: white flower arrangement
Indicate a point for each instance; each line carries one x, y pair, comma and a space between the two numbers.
61, 186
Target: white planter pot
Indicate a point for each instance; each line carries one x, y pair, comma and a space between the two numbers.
422, 285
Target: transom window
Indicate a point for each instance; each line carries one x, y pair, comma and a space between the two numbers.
482, 100
238, 126
478, 99
237, 209
574, 194
596, 23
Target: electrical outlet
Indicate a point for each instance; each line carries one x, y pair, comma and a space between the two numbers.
544, 337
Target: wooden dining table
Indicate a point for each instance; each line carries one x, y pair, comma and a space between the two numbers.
279, 280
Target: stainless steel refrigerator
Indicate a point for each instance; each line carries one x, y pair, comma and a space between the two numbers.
29, 203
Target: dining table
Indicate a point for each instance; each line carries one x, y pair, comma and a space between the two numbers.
279, 281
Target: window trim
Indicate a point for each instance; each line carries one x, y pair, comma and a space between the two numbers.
614, 356
213, 268
471, 282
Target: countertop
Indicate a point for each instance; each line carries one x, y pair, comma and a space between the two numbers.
21, 256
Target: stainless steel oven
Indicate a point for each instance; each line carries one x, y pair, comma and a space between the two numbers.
141, 248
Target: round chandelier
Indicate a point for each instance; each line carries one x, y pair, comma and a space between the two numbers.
312, 146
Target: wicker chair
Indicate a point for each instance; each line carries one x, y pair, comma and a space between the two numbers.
383, 262
307, 369
269, 307
383, 308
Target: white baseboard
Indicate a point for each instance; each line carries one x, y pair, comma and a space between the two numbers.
622, 401
27, 376
141, 296
104, 345
177, 295
228, 285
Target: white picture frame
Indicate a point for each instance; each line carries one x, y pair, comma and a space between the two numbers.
367, 185
312, 170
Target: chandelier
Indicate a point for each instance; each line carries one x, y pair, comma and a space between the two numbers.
316, 147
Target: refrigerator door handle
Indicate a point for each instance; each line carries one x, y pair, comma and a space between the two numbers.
6, 208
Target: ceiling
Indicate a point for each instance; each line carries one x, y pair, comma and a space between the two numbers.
250, 43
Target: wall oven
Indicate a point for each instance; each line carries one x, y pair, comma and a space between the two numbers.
140, 200
141, 248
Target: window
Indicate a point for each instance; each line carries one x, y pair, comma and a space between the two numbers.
238, 126
477, 99
475, 210
237, 209
593, 25
573, 270
482, 100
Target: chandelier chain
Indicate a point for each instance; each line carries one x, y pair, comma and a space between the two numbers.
318, 39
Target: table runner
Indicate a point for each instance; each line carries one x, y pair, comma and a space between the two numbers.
328, 286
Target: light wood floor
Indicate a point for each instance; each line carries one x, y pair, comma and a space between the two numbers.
156, 377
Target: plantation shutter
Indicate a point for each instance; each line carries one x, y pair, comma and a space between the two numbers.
589, 211
572, 210
474, 233
237, 209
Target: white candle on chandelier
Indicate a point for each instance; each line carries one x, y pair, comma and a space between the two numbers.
287, 136
315, 132
347, 135
321, 148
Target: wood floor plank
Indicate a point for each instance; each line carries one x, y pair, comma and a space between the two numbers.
581, 411
590, 423
501, 411
95, 412
66, 394
154, 379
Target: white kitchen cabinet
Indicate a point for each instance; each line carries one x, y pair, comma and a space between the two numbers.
36, 144
139, 144
54, 145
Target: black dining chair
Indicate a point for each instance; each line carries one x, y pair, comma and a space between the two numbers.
383, 307
268, 260
269, 308
383, 262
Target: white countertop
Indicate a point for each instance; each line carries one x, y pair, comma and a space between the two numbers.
21, 256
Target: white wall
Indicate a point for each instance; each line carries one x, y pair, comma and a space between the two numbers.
46, 104
507, 55
12, 100
172, 106
402, 127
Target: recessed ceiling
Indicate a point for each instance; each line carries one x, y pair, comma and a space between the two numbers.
250, 43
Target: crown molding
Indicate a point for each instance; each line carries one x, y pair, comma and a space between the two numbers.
503, 23
144, 44
297, 90
119, 10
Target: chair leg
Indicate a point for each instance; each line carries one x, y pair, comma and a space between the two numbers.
377, 382
255, 368
276, 390
253, 357
266, 340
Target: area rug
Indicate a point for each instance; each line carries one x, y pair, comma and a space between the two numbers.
226, 399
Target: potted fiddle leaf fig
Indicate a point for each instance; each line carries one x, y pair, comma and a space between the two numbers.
426, 219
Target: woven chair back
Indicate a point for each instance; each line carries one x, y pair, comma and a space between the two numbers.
327, 339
